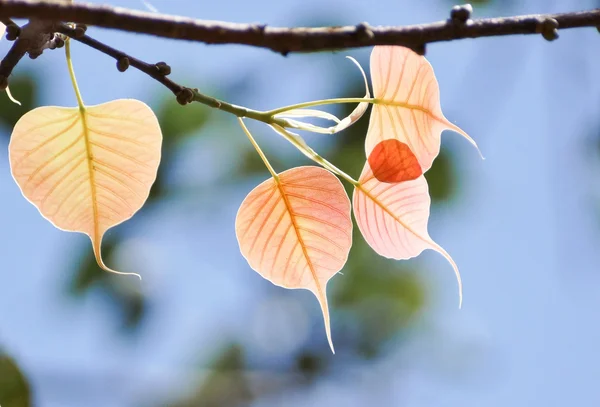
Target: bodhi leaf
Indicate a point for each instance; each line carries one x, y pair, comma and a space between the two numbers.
295, 230
393, 218
406, 109
87, 170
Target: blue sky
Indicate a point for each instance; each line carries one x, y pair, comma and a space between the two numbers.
525, 231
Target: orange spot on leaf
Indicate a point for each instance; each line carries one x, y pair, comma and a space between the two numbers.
393, 161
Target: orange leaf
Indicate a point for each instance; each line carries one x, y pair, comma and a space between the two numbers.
393, 218
407, 106
295, 230
87, 170
392, 161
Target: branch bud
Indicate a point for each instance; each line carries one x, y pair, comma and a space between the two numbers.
548, 27
185, 96
80, 30
163, 68
12, 32
122, 64
461, 14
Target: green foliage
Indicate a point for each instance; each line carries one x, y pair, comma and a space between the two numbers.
442, 177
227, 384
23, 88
14, 389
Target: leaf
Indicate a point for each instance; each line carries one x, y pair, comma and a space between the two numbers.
407, 105
343, 124
87, 170
393, 161
311, 113
358, 110
295, 230
393, 218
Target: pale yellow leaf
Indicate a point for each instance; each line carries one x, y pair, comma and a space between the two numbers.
87, 170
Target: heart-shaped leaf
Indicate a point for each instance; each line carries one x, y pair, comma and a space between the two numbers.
295, 230
407, 106
87, 170
393, 218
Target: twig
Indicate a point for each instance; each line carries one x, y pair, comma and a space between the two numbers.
301, 39
124, 60
159, 72
7, 21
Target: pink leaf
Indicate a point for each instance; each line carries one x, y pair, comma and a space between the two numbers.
296, 231
407, 106
393, 218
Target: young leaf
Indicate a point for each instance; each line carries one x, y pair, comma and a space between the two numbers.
87, 170
407, 106
392, 161
360, 109
343, 124
303, 113
295, 230
393, 218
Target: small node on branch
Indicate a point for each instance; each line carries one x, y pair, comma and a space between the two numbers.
258, 28
364, 32
3, 82
548, 27
461, 14
284, 53
59, 41
185, 96
598, 28
420, 49
12, 32
163, 68
33, 54
80, 30
122, 64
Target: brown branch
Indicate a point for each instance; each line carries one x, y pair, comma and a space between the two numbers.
301, 39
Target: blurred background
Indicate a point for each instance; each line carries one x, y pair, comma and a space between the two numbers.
203, 329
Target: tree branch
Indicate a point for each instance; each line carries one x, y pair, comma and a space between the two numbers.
301, 39
159, 72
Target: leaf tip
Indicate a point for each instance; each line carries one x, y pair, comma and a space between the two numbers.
463, 133
96, 245
447, 256
321, 296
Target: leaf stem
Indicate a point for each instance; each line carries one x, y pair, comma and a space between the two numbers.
258, 149
72, 75
312, 154
319, 103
